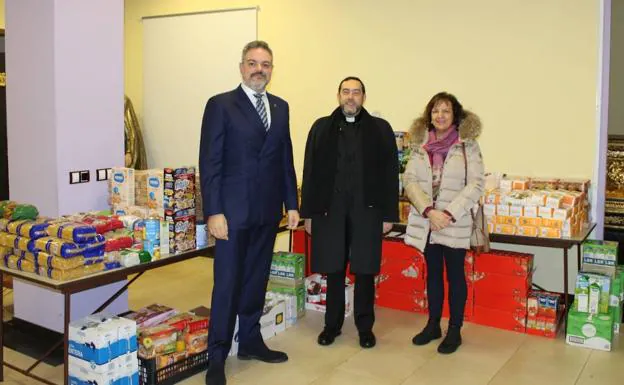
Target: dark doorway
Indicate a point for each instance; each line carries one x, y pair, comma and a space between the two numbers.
4, 157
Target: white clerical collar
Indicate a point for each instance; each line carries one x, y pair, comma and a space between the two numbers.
350, 119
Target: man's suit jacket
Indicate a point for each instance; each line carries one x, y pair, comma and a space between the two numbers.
246, 173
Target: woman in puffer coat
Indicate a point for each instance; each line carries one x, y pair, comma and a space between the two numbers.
443, 180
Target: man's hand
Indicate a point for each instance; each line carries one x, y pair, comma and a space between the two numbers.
387, 226
217, 226
293, 219
438, 219
308, 226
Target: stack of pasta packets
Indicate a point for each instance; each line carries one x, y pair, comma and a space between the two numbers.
56, 249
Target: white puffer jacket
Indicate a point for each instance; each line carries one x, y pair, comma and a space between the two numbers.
457, 196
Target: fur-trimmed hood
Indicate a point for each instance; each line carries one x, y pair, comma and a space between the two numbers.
469, 128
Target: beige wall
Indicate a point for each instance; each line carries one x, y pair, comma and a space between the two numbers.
528, 68
616, 81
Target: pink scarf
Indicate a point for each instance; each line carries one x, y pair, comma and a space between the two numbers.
438, 148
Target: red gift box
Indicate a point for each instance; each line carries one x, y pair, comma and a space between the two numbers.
504, 263
414, 302
508, 320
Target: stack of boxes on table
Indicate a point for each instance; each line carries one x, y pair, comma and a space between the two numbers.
103, 350
164, 195
537, 207
597, 310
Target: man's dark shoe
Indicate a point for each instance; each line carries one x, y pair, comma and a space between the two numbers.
367, 340
452, 341
216, 373
327, 337
263, 354
432, 331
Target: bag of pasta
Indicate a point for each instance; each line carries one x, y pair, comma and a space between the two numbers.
16, 263
73, 232
28, 228
55, 246
14, 241
64, 275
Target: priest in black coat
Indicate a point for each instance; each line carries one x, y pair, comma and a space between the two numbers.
350, 196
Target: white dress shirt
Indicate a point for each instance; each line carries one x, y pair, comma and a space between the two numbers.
250, 94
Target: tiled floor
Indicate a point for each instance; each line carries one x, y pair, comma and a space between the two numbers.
488, 356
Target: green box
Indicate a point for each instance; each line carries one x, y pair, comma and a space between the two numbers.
600, 257
298, 291
590, 331
288, 268
616, 291
616, 312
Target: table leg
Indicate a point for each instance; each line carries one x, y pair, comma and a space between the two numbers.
66, 338
2, 328
565, 285
578, 257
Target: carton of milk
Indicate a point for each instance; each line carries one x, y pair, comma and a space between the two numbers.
93, 341
81, 372
126, 331
127, 367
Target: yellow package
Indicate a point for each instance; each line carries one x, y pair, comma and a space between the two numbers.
4, 251
505, 229
562, 214
46, 260
28, 228
516, 211
549, 232
73, 232
56, 246
553, 223
16, 263
506, 220
527, 231
65, 275
14, 241
529, 221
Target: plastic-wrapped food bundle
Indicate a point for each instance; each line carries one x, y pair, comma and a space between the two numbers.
55, 246
14, 211
4, 251
46, 260
118, 240
27, 228
14, 241
64, 275
16, 263
95, 247
73, 232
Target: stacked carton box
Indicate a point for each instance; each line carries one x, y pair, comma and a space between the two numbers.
287, 279
502, 280
103, 350
401, 282
544, 313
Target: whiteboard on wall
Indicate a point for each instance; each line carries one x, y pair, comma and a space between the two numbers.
187, 59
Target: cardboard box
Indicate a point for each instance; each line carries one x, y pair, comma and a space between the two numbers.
315, 291
272, 323
506, 220
530, 211
504, 262
582, 293
514, 321
590, 331
489, 209
505, 229
402, 275
121, 186
527, 231
503, 209
516, 211
530, 221
288, 269
155, 189
299, 292
545, 212
414, 302
505, 285
600, 257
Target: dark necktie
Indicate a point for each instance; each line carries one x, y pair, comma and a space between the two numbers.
262, 111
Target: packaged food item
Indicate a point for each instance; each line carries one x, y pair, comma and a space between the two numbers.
17, 263
140, 187
181, 231
545, 212
121, 185
575, 184
157, 340
50, 261
544, 183
26, 228
530, 221
530, 211
528, 231
151, 315
550, 232
179, 189
155, 188
55, 246
16, 211
14, 241
66, 275
73, 232
197, 341
170, 359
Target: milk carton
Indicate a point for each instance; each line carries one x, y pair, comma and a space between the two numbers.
127, 367
126, 331
81, 372
156, 190
93, 341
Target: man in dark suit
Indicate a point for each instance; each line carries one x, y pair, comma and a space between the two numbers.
350, 197
247, 177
